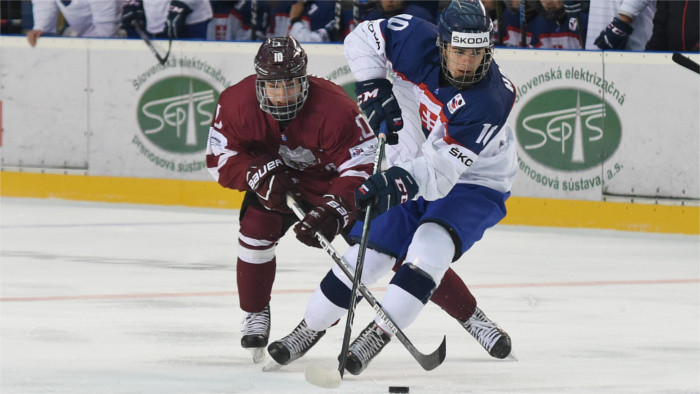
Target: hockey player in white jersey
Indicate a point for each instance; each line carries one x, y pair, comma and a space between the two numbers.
450, 173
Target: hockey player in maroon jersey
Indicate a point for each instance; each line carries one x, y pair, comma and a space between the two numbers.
302, 135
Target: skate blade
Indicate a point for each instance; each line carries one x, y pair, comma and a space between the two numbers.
271, 365
319, 375
258, 354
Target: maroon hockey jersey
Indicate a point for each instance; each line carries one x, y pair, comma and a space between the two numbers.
328, 146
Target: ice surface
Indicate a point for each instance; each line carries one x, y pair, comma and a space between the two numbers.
119, 298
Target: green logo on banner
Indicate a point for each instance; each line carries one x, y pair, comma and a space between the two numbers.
175, 113
568, 129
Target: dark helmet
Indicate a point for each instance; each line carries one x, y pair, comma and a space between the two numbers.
281, 64
465, 24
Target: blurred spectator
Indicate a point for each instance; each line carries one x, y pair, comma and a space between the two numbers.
388, 8
165, 18
675, 26
307, 21
511, 23
554, 28
86, 18
620, 24
232, 20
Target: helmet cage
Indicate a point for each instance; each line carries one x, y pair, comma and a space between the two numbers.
292, 98
466, 80
280, 65
465, 24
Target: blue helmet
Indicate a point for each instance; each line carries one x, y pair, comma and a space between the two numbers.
465, 24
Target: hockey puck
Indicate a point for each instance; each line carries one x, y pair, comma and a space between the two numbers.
398, 389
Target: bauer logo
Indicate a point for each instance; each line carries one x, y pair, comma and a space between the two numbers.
175, 113
568, 129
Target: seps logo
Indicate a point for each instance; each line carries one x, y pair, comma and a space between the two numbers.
175, 113
568, 129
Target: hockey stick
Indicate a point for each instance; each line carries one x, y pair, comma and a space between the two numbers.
337, 17
355, 14
253, 18
144, 37
317, 374
378, 157
686, 62
523, 25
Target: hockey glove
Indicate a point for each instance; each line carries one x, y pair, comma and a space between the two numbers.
572, 8
379, 104
270, 179
328, 219
614, 36
175, 24
132, 14
386, 189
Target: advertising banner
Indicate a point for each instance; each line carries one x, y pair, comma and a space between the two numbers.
590, 125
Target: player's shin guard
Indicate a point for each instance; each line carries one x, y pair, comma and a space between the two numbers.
331, 299
406, 295
452, 295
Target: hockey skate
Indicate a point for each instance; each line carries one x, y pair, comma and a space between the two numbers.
488, 334
293, 346
365, 347
256, 332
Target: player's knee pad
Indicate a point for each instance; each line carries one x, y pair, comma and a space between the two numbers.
415, 282
431, 250
374, 267
260, 231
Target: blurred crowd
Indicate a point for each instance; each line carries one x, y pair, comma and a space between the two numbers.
657, 25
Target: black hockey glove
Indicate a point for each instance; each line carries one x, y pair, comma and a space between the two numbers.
573, 8
385, 189
271, 180
132, 14
614, 36
379, 104
175, 24
329, 219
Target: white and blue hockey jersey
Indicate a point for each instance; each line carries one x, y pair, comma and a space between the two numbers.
450, 136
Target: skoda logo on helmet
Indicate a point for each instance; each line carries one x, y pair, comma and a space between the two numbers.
470, 40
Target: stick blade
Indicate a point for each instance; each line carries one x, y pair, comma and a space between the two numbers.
433, 360
317, 374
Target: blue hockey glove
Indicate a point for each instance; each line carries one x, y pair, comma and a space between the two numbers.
379, 104
614, 36
175, 24
132, 13
385, 189
572, 8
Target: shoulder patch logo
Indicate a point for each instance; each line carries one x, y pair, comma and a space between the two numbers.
456, 102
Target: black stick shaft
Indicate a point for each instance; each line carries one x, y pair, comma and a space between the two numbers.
360, 262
